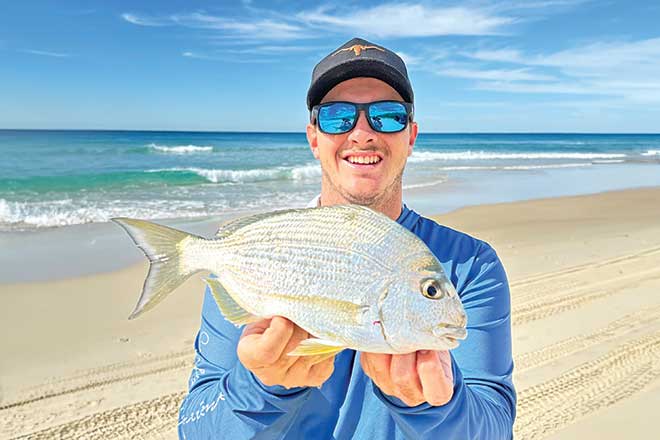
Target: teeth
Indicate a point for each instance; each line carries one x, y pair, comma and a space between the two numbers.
363, 159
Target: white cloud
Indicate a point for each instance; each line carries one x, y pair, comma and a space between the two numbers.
272, 50
499, 55
517, 87
389, 20
47, 53
410, 60
264, 29
142, 20
224, 57
496, 75
410, 20
627, 69
541, 4
197, 55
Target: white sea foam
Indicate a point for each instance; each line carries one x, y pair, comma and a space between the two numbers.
303, 172
605, 161
181, 149
19, 215
424, 156
306, 172
514, 167
652, 153
425, 184
477, 141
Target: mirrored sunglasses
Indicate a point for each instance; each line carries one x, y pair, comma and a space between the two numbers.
383, 116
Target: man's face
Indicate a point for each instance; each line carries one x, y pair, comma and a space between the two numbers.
346, 181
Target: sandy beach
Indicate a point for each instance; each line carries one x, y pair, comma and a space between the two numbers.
585, 282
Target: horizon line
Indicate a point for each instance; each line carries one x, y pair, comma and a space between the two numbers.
303, 132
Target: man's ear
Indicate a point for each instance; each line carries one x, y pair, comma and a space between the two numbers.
413, 136
312, 139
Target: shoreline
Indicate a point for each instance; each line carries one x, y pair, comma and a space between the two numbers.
102, 247
584, 273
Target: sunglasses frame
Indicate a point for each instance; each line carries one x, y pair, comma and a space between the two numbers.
314, 114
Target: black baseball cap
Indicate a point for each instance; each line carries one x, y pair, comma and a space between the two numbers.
357, 58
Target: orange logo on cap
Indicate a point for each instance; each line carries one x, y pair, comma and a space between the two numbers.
358, 48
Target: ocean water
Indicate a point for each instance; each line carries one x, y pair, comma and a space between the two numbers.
57, 178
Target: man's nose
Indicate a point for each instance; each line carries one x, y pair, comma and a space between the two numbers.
362, 133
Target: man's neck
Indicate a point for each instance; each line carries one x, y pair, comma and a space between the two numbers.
391, 207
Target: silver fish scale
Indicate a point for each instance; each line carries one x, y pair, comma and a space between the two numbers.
324, 268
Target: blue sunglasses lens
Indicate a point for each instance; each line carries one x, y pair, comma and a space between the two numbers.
388, 117
337, 118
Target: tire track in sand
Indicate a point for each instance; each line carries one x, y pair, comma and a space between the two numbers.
620, 327
618, 375
552, 305
558, 291
544, 295
582, 267
542, 409
138, 420
106, 375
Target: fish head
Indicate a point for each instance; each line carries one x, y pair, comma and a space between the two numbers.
422, 311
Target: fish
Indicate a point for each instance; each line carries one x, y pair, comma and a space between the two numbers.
350, 276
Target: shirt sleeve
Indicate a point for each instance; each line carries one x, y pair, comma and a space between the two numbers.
484, 399
225, 399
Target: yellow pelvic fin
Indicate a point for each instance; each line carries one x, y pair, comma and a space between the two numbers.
314, 347
321, 357
231, 310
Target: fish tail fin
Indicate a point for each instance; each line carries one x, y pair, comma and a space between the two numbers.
165, 248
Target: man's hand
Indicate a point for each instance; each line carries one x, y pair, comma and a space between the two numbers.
414, 378
263, 349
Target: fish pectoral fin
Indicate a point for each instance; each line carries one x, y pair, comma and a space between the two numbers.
230, 309
317, 347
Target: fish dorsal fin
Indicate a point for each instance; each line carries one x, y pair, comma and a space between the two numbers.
231, 310
317, 347
231, 226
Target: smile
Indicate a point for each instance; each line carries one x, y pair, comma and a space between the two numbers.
362, 158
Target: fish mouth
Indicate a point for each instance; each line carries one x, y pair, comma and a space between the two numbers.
451, 332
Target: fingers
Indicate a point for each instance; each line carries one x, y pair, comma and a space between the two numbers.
434, 372
263, 349
263, 342
270, 346
285, 361
406, 379
304, 372
377, 367
414, 378
256, 328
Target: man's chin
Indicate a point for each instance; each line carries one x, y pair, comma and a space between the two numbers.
362, 198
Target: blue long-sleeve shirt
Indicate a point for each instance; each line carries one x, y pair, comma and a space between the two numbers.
227, 401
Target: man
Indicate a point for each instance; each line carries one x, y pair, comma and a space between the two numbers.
244, 385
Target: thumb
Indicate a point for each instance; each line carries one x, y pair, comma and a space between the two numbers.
256, 328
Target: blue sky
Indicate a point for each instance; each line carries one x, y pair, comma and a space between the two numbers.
476, 66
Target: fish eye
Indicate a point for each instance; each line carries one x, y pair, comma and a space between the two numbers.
432, 290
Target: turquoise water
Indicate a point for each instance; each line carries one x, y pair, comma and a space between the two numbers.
58, 178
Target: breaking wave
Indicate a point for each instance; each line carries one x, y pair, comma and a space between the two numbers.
180, 149
43, 214
423, 156
515, 167
652, 153
304, 172
426, 184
